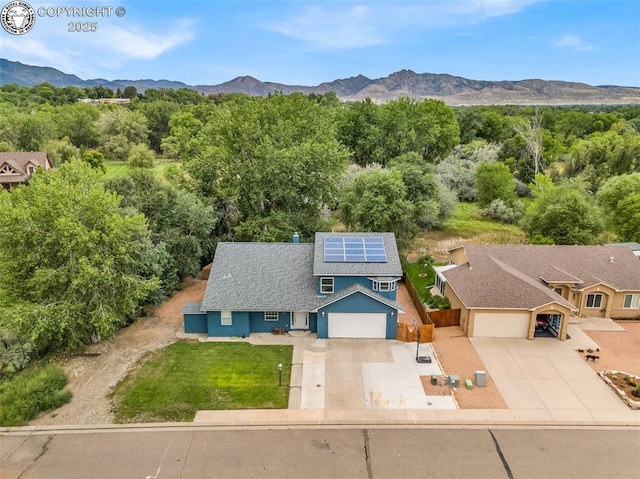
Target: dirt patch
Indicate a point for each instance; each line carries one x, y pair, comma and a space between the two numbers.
93, 375
458, 356
619, 350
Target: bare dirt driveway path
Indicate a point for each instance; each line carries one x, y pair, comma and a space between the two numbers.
92, 377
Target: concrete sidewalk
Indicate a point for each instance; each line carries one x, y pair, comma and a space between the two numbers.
393, 417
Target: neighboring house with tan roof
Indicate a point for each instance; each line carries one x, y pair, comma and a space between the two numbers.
531, 290
17, 167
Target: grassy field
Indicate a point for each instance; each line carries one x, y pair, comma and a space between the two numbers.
118, 168
466, 222
466, 225
179, 380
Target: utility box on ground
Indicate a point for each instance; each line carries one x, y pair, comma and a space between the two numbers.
480, 378
454, 381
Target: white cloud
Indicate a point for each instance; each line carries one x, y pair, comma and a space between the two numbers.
135, 42
349, 28
573, 42
347, 25
29, 49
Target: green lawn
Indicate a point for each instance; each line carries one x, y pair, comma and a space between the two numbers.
182, 378
420, 276
118, 168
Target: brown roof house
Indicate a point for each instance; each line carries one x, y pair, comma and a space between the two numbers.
530, 290
17, 167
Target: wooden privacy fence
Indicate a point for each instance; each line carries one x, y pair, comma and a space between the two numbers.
415, 299
439, 318
445, 317
409, 333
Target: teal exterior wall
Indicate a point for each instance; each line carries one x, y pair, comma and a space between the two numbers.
239, 324
195, 322
259, 325
242, 323
356, 303
342, 282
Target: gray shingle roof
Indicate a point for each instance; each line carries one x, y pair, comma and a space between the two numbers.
510, 276
391, 268
358, 288
192, 307
262, 277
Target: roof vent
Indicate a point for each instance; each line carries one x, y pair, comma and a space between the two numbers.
611, 258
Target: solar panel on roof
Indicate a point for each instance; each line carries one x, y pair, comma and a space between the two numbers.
354, 249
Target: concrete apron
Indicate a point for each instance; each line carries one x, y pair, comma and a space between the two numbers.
357, 374
546, 380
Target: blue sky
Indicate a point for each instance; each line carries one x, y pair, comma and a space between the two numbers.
307, 42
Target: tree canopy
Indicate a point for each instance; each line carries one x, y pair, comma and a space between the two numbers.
71, 260
566, 214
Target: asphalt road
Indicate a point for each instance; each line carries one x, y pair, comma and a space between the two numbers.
315, 453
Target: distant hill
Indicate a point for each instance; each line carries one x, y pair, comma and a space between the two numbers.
451, 89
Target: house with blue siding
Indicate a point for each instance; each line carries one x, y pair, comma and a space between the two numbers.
341, 286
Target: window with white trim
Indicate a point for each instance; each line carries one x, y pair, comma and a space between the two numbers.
384, 285
31, 169
594, 300
326, 285
270, 315
631, 301
225, 318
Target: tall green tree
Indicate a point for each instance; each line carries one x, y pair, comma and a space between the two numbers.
275, 161
619, 197
175, 217
376, 134
494, 181
72, 262
566, 214
120, 129
376, 201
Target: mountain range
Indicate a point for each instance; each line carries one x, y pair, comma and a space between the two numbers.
453, 90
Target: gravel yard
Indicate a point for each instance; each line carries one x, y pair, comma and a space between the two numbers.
458, 356
619, 350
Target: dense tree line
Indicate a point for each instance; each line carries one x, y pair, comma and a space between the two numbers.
81, 253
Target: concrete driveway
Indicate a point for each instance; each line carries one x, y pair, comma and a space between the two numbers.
546, 380
357, 374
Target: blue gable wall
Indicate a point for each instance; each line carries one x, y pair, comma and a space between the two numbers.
356, 303
343, 282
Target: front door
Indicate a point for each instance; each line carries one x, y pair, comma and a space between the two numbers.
300, 320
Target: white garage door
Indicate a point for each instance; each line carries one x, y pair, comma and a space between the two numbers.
501, 325
357, 325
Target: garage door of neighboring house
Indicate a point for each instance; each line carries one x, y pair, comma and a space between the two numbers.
501, 325
357, 325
